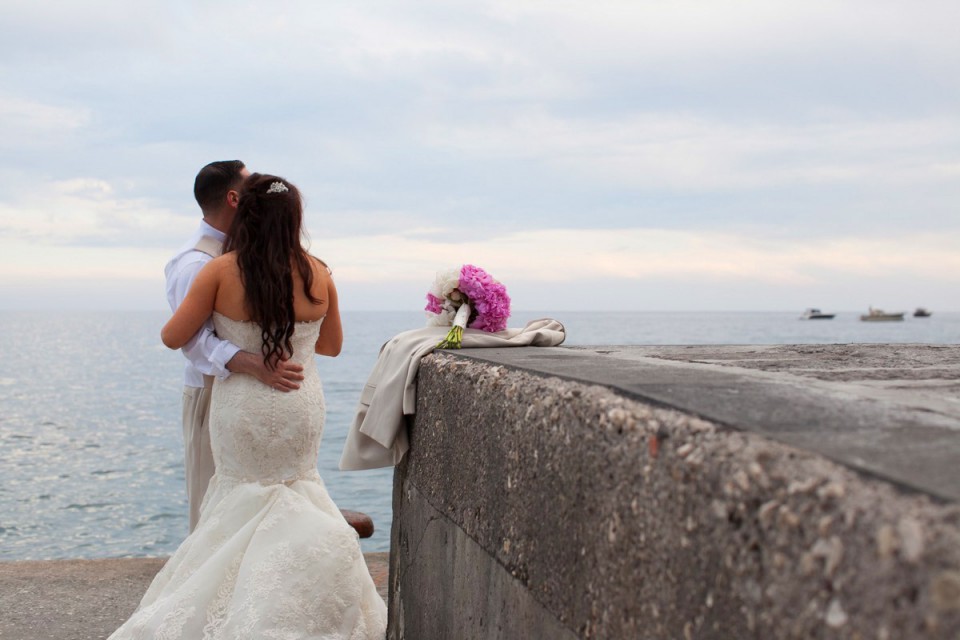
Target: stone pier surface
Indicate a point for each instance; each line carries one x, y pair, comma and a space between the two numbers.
681, 492
88, 599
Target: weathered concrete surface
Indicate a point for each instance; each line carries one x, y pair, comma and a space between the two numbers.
88, 599
508, 610
623, 518
890, 410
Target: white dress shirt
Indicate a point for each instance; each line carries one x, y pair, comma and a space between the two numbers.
206, 353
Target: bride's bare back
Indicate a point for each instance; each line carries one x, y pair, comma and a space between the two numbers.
218, 287
231, 297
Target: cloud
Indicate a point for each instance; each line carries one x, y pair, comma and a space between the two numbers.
36, 118
576, 255
688, 152
83, 267
87, 211
629, 268
711, 34
94, 26
30, 123
732, 142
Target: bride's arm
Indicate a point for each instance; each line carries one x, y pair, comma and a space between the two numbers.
190, 316
330, 339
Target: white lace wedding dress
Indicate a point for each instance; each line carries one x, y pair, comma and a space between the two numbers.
272, 557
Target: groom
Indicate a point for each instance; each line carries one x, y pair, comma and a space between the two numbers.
217, 190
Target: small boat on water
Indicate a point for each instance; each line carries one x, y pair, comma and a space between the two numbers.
877, 315
816, 314
922, 313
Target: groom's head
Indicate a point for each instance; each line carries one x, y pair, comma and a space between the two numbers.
217, 186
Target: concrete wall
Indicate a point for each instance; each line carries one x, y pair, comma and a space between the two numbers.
538, 507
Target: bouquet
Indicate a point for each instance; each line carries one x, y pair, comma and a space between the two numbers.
466, 297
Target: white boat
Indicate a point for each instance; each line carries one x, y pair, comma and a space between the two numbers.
816, 314
878, 315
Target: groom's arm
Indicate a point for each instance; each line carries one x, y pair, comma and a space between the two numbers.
285, 377
205, 351
214, 356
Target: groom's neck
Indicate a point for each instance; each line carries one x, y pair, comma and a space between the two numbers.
218, 221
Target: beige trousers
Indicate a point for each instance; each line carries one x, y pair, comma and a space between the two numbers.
196, 445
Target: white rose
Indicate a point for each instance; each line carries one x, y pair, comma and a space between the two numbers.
445, 282
442, 319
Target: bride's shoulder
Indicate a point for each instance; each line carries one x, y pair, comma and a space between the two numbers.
223, 266
320, 265
225, 261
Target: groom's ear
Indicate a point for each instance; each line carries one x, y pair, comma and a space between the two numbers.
233, 198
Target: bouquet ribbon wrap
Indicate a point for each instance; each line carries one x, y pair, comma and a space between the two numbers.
454, 339
378, 435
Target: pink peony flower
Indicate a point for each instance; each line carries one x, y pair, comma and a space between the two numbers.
434, 304
487, 296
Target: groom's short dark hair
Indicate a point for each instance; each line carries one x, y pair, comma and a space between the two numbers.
214, 180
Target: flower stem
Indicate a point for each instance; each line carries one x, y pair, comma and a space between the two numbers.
455, 336
453, 340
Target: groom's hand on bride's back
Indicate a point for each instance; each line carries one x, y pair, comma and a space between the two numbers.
286, 376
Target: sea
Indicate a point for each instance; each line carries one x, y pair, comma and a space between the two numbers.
91, 452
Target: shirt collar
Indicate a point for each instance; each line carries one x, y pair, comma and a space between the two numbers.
207, 230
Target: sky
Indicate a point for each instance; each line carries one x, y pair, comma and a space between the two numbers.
599, 155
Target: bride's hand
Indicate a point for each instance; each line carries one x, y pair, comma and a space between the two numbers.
284, 377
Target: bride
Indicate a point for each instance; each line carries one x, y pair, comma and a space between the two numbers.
271, 556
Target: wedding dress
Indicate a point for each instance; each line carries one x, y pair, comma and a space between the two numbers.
271, 557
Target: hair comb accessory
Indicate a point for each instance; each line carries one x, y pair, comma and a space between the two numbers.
278, 187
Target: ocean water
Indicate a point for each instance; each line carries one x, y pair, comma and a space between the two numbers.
91, 458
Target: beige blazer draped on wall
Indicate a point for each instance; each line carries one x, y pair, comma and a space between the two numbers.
378, 436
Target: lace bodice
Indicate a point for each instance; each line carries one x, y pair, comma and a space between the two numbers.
246, 335
258, 433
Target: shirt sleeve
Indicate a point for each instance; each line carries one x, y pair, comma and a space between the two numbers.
205, 351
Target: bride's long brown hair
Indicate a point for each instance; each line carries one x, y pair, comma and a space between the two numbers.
266, 234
